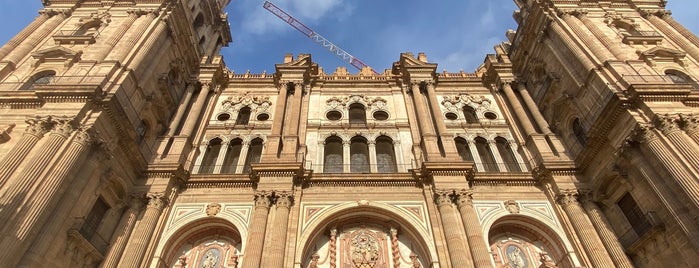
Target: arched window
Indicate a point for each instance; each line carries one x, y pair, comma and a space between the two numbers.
486, 155
681, 78
332, 159
243, 116
357, 114
462, 149
507, 155
385, 155
42, 78
89, 29
470, 114
198, 22
230, 161
208, 162
359, 155
579, 132
254, 154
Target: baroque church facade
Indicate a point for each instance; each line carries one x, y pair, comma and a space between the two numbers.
126, 142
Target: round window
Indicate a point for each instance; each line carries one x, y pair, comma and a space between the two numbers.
491, 115
380, 115
334, 115
262, 117
451, 116
223, 117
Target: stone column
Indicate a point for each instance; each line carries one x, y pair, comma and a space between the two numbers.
135, 32
118, 34
474, 234
21, 36
499, 162
459, 251
240, 166
145, 51
582, 59
518, 109
34, 214
429, 137
597, 51
277, 237
666, 16
534, 109
617, 51
670, 126
196, 109
258, 225
291, 122
346, 161
35, 130
373, 168
19, 185
221, 156
604, 229
276, 133
32, 40
123, 232
436, 109
181, 109
687, 182
401, 166
690, 124
138, 242
583, 228
476, 156
657, 19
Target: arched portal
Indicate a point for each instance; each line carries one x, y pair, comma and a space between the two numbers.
364, 236
520, 241
210, 242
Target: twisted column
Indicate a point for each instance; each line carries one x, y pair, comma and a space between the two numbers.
21, 36
604, 229
258, 225
479, 250
459, 251
32, 40
395, 249
118, 34
658, 20
583, 228
670, 126
278, 233
35, 130
333, 248
139, 240
687, 182
123, 232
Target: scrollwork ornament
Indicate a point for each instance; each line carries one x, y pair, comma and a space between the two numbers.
62, 126
84, 136
136, 202
644, 134
212, 209
156, 200
512, 206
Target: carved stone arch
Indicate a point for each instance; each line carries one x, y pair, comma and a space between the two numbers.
325, 135
209, 139
343, 220
361, 99
192, 242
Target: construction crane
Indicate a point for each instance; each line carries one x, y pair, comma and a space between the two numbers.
316, 37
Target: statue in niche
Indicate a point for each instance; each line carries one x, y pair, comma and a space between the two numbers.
516, 257
210, 259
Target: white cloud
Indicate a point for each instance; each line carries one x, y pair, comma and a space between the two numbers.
259, 21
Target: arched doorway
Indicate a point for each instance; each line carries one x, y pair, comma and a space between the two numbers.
522, 242
212, 242
363, 237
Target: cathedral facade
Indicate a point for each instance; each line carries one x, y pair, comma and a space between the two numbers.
126, 142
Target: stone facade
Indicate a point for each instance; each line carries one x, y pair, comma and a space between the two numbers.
126, 142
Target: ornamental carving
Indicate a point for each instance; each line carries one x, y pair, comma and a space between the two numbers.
339, 103
690, 123
568, 197
668, 123
84, 136
284, 199
156, 200
464, 198
443, 197
97, 18
37, 126
212, 209
546, 261
512, 206
63, 126
364, 249
612, 18
263, 199
456, 103
256, 103
644, 134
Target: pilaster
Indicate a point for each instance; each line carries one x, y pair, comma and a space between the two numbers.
469, 218
141, 236
123, 232
604, 229
258, 225
36, 128
459, 250
279, 231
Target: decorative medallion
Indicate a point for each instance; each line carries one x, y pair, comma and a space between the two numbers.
213, 209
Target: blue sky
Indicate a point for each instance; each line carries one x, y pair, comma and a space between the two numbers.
456, 34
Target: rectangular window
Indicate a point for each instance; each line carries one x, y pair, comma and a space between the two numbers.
94, 218
639, 222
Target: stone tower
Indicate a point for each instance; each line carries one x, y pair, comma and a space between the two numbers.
126, 142
88, 90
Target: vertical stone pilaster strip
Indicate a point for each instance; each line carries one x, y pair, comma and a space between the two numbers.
174, 125
616, 51
534, 109
128, 42
19, 186
429, 142
276, 133
373, 164
459, 251
681, 175
604, 229
138, 242
196, 109
35, 130
474, 234
346, 165
518, 109
21, 36
574, 24
583, 228
258, 225
572, 46
292, 121
670, 126
670, 33
123, 232
690, 125
275, 258
36, 37
118, 34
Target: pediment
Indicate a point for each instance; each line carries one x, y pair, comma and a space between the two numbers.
663, 52
57, 54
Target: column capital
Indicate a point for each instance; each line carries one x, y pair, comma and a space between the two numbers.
660, 13
38, 125
464, 197
263, 199
85, 135
62, 126
143, 11
283, 199
443, 197
156, 200
690, 123
644, 134
136, 202
568, 197
56, 11
667, 123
